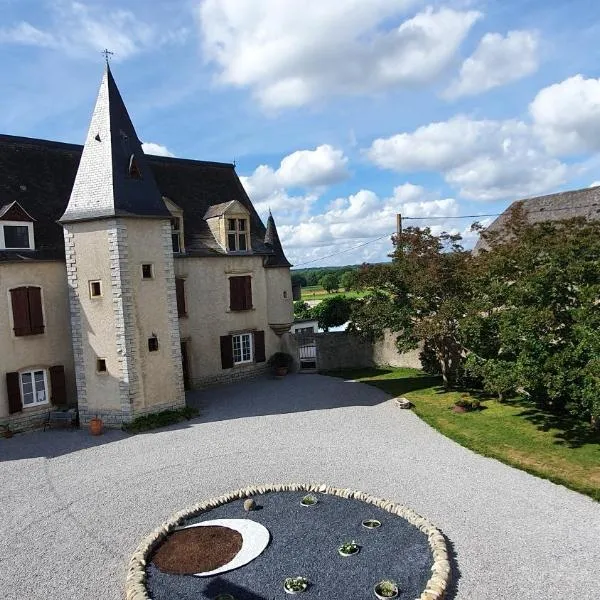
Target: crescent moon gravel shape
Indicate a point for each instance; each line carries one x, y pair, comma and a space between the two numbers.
255, 538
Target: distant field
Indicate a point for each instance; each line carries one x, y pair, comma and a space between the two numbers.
316, 292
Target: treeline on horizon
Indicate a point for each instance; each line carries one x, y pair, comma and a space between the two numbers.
313, 276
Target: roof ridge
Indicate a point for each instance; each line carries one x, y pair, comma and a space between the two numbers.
554, 194
16, 139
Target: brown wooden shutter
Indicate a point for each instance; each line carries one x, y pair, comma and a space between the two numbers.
20, 308
58, 385
180, 293
235, 294
247, 281
226, 352
13, 389
259, 346
36, 315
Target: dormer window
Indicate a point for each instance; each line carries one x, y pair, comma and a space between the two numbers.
229, 222
16, 228
16, 237
176, 234
237, 235
177, 239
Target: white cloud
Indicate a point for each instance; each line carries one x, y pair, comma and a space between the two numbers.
292, 53
496, 61
484, 159
359, 220
364, 215
79, 29
567, 115
594, 184
156, 149
322, 166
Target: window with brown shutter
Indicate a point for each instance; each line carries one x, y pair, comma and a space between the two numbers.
13, 389
58, 385
28, 316
180, 293
240, 293
226, 351
259, 346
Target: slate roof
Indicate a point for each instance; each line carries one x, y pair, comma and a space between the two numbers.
272, 241
218, 209
114, 178
553, 207
39, 174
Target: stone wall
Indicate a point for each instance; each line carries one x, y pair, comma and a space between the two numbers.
386, 354
342, 350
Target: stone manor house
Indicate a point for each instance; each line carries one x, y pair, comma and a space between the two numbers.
125, 278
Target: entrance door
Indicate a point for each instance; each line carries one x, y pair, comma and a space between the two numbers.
185, 366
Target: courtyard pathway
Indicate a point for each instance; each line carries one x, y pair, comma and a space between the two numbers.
73, 508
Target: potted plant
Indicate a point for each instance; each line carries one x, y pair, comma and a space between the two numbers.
371, 523
466, 404
295, 585
280, 363
386, 589
349, 548
96, 425
6, 431
309, 500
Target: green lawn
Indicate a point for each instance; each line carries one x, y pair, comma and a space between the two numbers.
560, 449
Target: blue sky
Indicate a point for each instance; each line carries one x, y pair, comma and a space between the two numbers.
338, 115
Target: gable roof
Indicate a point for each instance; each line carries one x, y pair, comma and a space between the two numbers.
219, 209
14, 212
552, 207
39, 174
113, 178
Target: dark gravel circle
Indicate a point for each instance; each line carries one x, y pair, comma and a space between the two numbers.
304, 542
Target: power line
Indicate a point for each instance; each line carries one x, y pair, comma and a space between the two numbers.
343, 251
596, 204
459, 217
527, 211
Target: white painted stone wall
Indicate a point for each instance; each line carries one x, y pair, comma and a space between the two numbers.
116, 326
209, 318
53, 347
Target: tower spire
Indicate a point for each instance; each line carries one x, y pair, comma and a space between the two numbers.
113, 178
272, 242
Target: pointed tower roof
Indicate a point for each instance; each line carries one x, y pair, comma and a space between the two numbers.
277, 259
113, 178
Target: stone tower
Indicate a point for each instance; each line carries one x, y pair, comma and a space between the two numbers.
120, 274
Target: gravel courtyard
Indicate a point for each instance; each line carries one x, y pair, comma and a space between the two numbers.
73, 507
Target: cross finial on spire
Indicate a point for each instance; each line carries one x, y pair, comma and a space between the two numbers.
107, 54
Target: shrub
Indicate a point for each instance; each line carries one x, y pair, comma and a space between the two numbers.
280, 360
160, 419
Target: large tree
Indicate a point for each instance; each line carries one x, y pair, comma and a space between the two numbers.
534, 321
333, 311
330, 282
421, 296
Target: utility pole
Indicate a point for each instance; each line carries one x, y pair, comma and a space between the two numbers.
399, 224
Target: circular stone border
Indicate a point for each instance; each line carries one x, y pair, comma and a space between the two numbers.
436, 587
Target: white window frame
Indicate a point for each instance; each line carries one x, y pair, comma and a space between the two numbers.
240, 336
151, 265
46, 390
17, 224
238, 233
91, 283
178, 231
